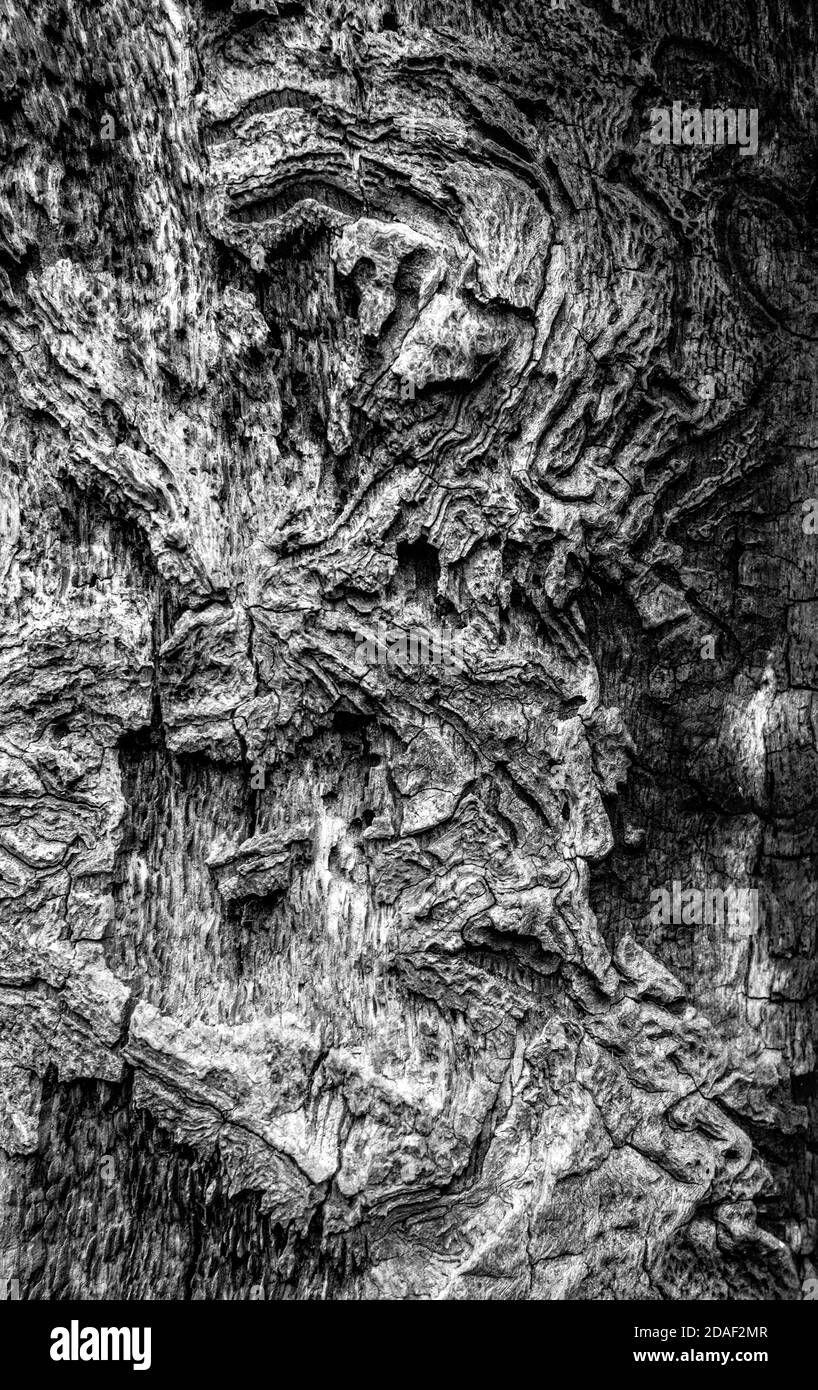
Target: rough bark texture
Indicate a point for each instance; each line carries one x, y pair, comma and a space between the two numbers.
323, 975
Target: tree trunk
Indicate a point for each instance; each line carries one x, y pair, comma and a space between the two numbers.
409, 554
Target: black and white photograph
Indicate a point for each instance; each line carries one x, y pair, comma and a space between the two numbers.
409, 667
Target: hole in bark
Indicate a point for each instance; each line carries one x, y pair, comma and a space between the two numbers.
348, 724
419, 561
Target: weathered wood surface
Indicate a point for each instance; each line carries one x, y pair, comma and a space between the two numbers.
327, 973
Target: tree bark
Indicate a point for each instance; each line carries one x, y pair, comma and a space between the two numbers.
408, 772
